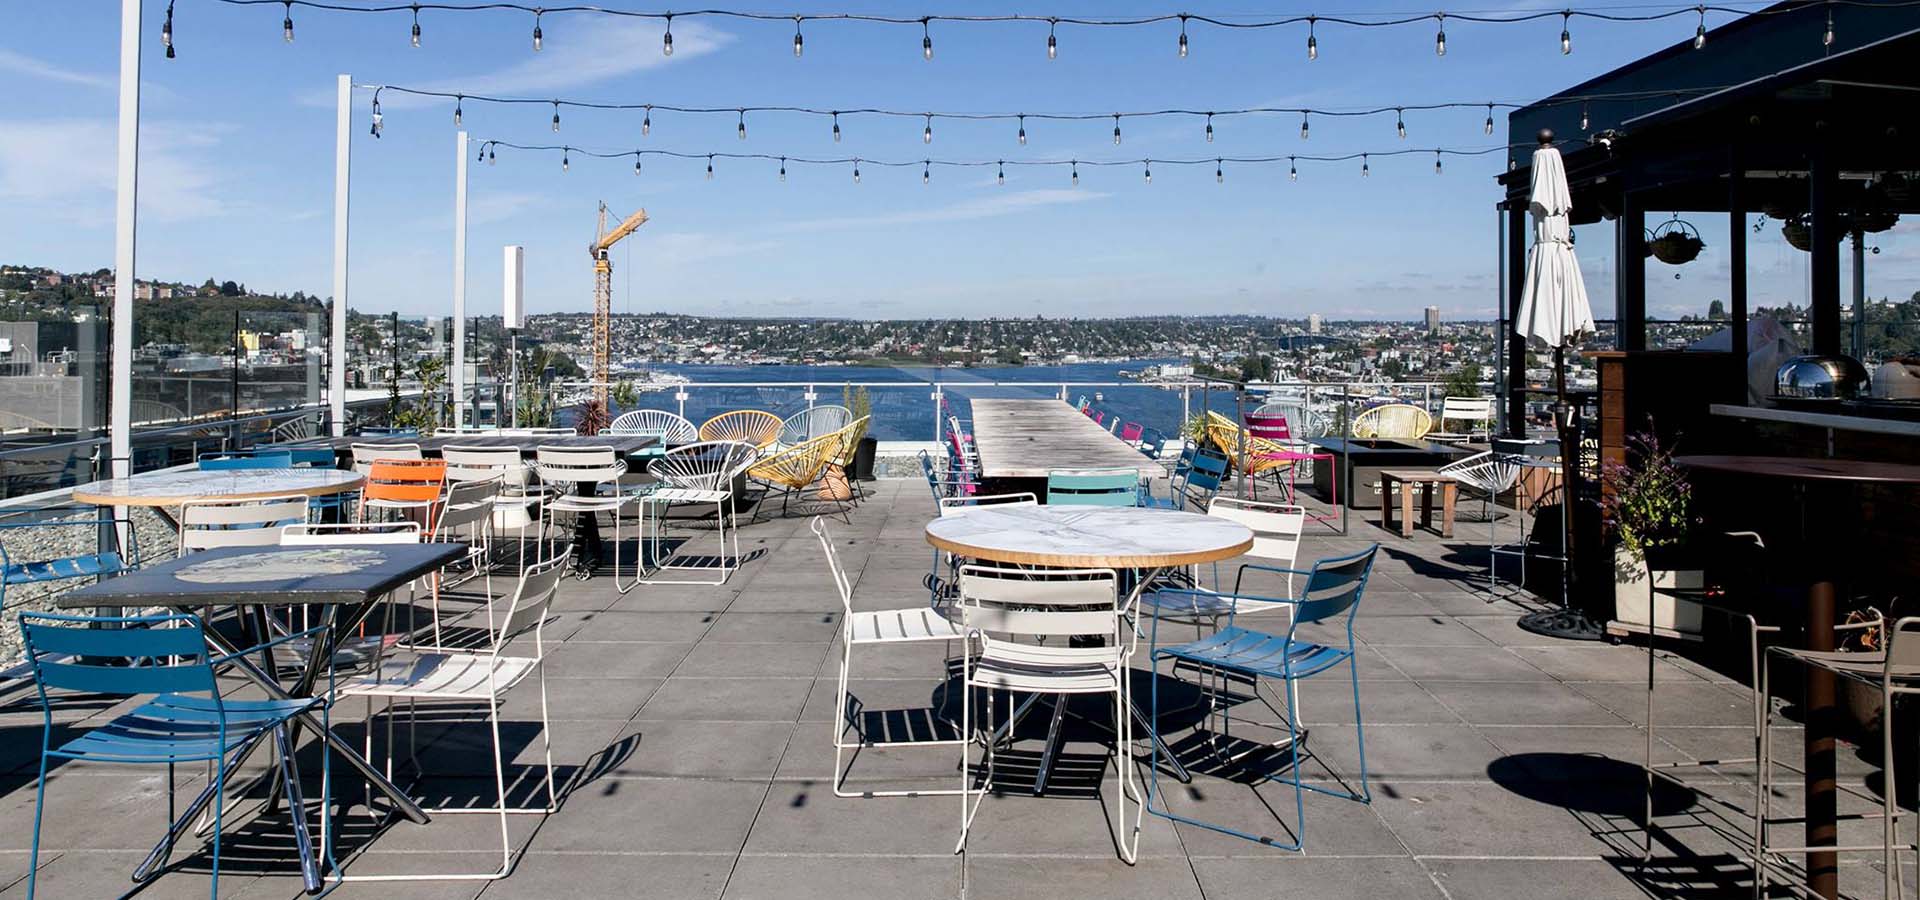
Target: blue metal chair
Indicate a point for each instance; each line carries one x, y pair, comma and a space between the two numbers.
1197, 480
175, 726
85, 565
303, 457
1332, 589
1152, 442
255, 459
1093, 487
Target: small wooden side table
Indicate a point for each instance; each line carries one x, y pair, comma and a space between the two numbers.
1406, 480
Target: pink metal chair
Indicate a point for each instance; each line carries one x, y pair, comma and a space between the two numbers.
1271, 442
1131, 432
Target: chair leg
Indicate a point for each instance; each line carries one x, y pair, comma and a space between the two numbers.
546, 740
1123, 775
39, 807
1763, 768
1888, 826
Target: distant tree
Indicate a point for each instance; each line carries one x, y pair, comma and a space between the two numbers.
1463, 382
229, 289
1717, 310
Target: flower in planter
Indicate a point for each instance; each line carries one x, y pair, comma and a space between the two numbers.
1645, 502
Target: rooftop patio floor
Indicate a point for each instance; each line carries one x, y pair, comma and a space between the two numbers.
692, 724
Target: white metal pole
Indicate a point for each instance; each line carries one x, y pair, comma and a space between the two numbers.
458, 380
337, 340
125, 218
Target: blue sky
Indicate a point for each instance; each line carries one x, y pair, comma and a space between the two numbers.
237, 150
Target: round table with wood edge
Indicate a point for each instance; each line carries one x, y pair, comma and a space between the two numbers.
1823, 869
193, 485
1145, 541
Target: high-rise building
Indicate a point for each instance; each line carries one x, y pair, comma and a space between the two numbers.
1433, 319
1313, 323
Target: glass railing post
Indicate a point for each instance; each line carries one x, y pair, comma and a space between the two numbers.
937, 398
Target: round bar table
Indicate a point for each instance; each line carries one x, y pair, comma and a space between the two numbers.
1823, 869
191, 485
1146, 541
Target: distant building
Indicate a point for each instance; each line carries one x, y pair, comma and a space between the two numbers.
1433, 318
1314, 323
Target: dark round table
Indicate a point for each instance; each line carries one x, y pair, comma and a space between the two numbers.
1823, 871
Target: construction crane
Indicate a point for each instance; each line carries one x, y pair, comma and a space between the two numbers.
603, 294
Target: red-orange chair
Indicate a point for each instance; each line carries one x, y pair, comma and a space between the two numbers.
407, 485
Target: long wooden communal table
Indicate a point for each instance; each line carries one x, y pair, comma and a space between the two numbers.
627, 445
1023, 440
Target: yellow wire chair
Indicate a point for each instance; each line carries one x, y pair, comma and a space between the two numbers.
752, 426
798, 467
1393, 421
1262, 455
838, 484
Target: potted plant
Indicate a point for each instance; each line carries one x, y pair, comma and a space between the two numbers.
860, 403
1678, 243
1645, 506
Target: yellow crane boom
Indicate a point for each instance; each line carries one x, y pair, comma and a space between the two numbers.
603, 294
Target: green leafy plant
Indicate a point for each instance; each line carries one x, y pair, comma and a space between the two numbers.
1646, 502
624, 394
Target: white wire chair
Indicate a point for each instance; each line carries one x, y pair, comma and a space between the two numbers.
1302, 422
1000, 605
1493, 473
917, 727
699, 473
813, 422
482, 675
672, 428
577, 475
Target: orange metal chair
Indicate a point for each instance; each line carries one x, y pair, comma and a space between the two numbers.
406, 485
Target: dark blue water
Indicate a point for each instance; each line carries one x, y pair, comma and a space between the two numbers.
903, 405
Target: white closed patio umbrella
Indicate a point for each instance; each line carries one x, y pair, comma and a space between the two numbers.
1554, 312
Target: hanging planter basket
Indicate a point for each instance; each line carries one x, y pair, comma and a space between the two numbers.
1676, 243
1646, 244
1798, 232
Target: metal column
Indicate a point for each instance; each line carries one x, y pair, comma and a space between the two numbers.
337, 333
1737, 272
125, 219
457, 379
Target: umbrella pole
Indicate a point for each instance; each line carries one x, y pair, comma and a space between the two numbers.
1569, 621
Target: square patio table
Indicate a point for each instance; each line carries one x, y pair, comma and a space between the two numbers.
348, 581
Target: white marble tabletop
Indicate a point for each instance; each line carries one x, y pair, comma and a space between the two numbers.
188, 485
1091, 536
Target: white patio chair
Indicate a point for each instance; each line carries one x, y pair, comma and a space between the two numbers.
479, 676
1001, 605
516, 507
369, 533
941, 588
813, 422
210, 524
577, 475
919, 727
1469, 410
1493, 473
365, 454
696, 474
671, 428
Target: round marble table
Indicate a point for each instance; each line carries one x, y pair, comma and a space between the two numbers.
1089, 536
190, 485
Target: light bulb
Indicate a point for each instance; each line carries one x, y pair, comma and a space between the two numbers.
666, 38
836, 128
1566, 36
1313, 43
926, 41
646, 122
1183, 35
926, 172
416, 26
492, 157
1001, 176
556, 116
1400, 124
856, 171
286, 25
1364, 169
1053, 46
1148, 173
1076, 173
636, 162
1826, 39
1293, 171
482, 157
565, 162
1488, 127
926, 137
536, 32
1219, 174
377, 118
1583, 116
1440, 38
1436, 162
799, 43
1209, 128
1700, 32
1303, 126
709, 167
743, 125
1116, 128
166, 32
783, 168
456, 111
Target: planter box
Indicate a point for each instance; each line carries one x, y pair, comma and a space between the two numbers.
1631, 596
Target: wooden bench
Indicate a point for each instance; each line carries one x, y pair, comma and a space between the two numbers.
1405, 480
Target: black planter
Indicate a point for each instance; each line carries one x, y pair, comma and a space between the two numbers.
863, 459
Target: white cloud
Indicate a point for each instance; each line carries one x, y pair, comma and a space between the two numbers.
586, 53
683, 248
966, 210
26, 65
67, 167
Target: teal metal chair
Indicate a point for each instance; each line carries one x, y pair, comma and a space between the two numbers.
40, 570
1330, 593
113, 655
1093, 487
252, 459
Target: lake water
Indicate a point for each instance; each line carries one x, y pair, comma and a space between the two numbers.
903, 405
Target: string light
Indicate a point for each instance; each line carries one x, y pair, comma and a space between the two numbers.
1488, 127
1583, 117
1364, 170
856, 170
1053, 47
492, 156
709, 167
1293, 170
1074, 166
376, 112
1440, 39
456, 112
1303, 126
1000, 177
1022, 137
1436, 162
166, 31
636, 162
1700, 32
416, 26
1209, 128
646, 122
926, 171
1116, 129
566, 159
666, 38
926, 41
836, 128
556, 115
1826, 38
1219, 174
1566, 34
1183, 35
1313, 43
286, 24
743, 125
783, 169
1400, 124
1148, 171
799, 43
926, 137
536, 29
